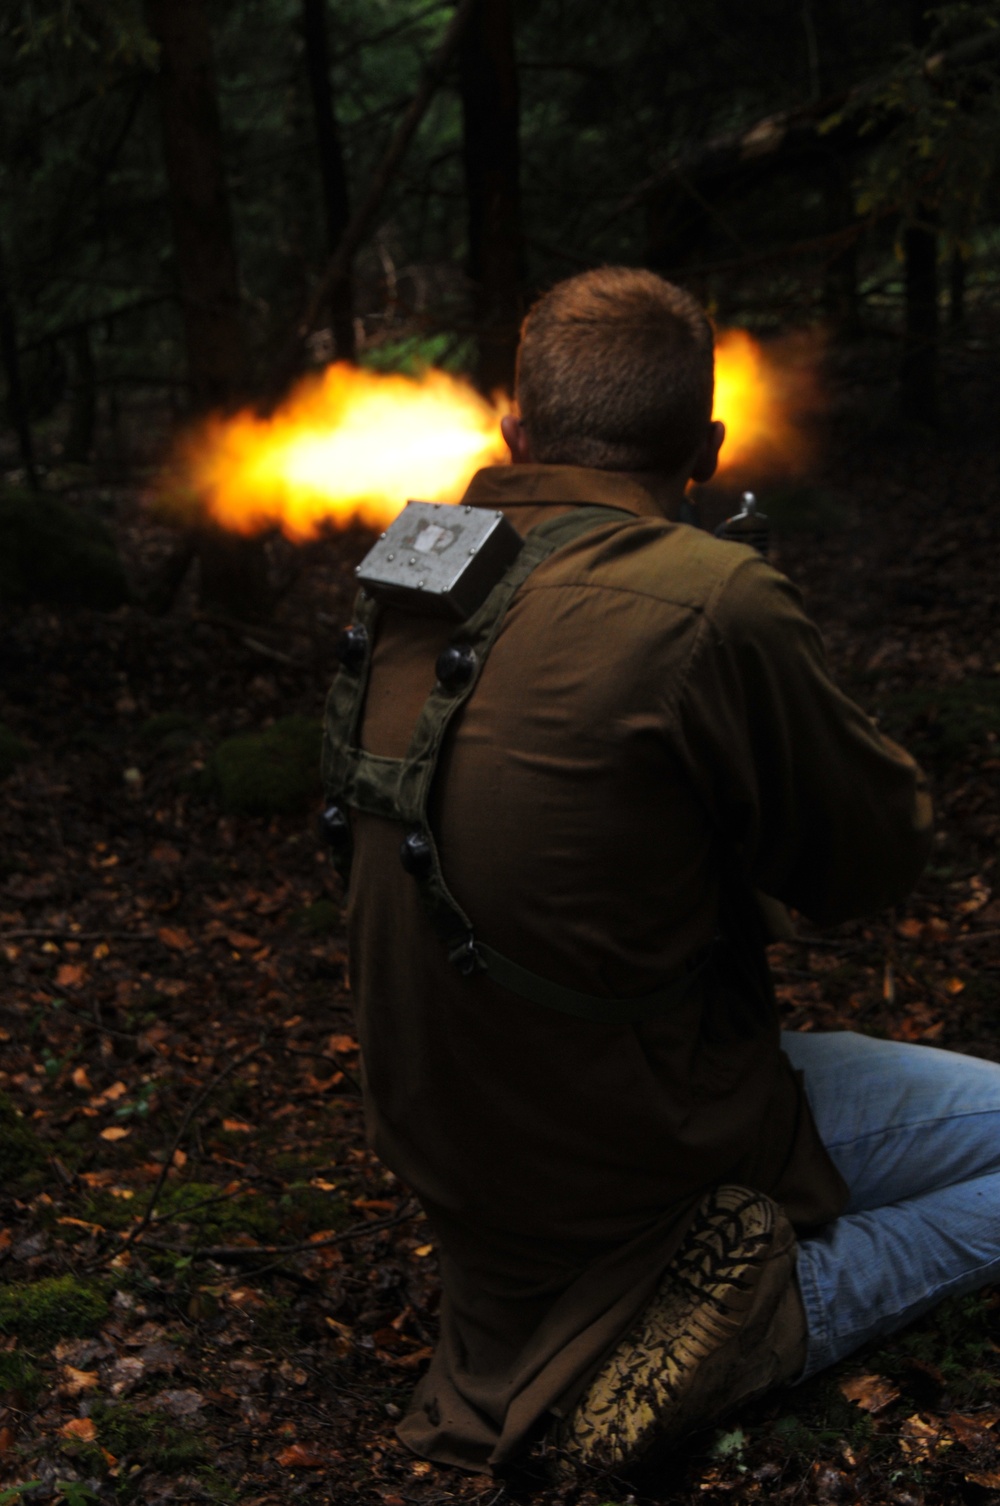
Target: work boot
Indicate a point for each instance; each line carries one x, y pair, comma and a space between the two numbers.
725, 1325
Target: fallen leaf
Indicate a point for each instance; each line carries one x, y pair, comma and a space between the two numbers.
81, 1223
110, 1095
79, 1380
237, 1127
911, 928
989, 1479
409, 1361
7, 1440
70, 975
176, 939
920, 1439
241, 941
423, 1250
972, 1429
343, 1044
82, 1081
83, 1428
300, 1456
873, 1393
115, 1132
954, 985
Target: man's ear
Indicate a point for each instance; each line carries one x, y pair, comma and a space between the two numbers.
706, 460
516, 438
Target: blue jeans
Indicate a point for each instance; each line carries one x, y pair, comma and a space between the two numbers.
915, 1133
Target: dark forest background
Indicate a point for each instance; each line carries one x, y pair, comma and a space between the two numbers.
177, 177
210, 1289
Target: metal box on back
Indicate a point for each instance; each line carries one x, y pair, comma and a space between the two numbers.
440, 559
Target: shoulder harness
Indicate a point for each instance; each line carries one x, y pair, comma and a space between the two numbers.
399, 789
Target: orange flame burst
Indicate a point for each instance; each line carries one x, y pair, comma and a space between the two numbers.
351, 443
347, 444
760, 394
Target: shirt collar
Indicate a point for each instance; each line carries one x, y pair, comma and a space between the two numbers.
557, 485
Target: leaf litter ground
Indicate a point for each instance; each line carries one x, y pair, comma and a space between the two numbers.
213, 1292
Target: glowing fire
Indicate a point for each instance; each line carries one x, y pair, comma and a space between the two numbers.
351, 443
759, 393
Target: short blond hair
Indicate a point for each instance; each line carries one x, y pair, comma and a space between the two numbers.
615, 370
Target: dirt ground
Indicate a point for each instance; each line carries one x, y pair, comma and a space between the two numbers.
213, 1292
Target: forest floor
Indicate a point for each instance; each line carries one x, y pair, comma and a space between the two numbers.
212, 1290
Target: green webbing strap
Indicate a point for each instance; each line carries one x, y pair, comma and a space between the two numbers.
399, 789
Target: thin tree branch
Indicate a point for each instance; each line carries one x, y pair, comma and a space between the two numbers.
238, 1253
193, 1109
364, 216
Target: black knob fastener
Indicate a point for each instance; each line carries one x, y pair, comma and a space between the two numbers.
352, 647
415, 855
455, 666
335, 828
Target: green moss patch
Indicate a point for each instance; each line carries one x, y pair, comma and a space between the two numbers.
19, 1374
21, 1151
52, 551
271, 772
58, 1307
146, 1437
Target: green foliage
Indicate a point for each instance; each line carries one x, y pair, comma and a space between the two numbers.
50, 551
412, 354
270, 772
19, 1373
12, 751
57, 1307
76, 1493
21, 1151
939, 162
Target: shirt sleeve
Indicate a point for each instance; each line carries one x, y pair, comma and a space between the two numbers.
824, 812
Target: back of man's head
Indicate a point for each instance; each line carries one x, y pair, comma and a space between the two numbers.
615, 371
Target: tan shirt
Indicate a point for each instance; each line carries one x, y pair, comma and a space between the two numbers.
654, 735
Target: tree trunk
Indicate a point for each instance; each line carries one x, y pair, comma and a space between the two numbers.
840, 274
83, 414
958, 272
919, 371
491, 156
16, 407
333, 176
233, 575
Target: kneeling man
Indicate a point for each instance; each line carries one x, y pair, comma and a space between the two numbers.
649, 1204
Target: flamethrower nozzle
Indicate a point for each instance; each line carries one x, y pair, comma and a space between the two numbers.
747, 526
